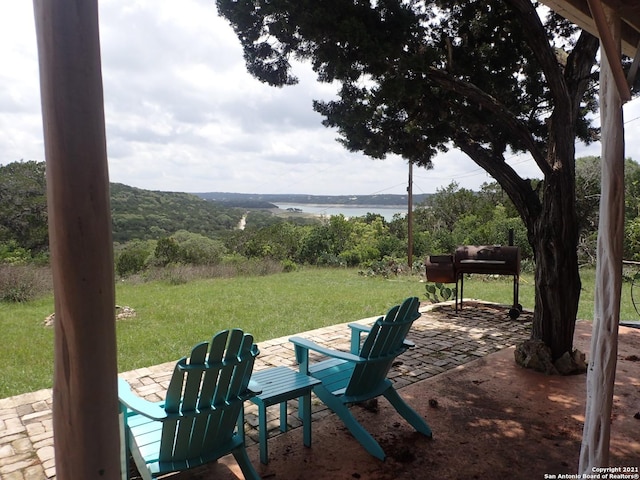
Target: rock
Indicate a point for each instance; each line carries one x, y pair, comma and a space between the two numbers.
536, 355
121, 312
124, 312
571, 363
48, 322
370, 405
564, 364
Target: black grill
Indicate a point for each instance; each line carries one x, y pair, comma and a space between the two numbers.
482, 259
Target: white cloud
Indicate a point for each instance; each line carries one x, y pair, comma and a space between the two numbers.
182, 113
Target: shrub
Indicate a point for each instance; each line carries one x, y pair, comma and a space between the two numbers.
197, 249
387, 267
289, 266
167, 251
133, 257
11, 252
21, 283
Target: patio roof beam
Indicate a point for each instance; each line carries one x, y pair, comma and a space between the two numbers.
577, 11
610, 49
633, 70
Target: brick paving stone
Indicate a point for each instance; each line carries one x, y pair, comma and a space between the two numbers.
14, 476
34, 473
7, 450
21, 445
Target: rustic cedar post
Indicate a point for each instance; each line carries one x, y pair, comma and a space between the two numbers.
85, 404
604, 342
410, 219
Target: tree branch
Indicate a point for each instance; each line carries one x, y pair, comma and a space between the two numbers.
519, 190
518, 129
539, 43
579, 64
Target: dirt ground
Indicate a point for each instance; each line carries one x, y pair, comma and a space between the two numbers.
491, 420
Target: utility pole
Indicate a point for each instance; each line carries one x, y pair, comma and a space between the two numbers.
410, 218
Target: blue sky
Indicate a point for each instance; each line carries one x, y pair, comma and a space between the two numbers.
182, 114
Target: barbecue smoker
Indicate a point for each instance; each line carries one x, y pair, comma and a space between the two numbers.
484, 259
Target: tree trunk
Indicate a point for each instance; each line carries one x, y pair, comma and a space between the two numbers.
555, 240
557, 283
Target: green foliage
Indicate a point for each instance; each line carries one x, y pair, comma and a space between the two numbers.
136, 214
324, 243
280, 241
23, 206
143, 214
186, 248
632, 240
451, 203
388, 267
133, 257
167, 252
439, 292
479, 221
588, 172
196, 249
12, 253
289, 266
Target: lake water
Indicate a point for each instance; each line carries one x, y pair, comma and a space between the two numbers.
348, 211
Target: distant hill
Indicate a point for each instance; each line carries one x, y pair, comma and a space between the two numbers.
145, 214
250, 200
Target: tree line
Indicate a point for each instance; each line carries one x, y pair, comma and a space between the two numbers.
157, 229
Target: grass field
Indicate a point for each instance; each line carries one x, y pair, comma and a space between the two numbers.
171, 318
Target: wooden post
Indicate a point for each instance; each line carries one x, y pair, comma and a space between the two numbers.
410, 219
85, 402
604, 341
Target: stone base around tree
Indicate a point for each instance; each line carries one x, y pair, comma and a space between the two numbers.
534, 354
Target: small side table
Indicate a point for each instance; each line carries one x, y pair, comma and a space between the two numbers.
280, 384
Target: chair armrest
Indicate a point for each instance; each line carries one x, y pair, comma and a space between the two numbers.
254, 387
357, 329
302, 347
139, 405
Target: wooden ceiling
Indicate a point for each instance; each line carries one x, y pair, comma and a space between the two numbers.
578, 12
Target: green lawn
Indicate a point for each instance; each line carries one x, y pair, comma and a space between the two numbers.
171, 318
500, 289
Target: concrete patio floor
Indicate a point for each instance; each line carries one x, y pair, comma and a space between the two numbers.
444, 340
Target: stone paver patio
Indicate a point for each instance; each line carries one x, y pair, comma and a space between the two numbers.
444, 339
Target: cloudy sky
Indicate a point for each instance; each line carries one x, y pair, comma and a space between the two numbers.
183, 115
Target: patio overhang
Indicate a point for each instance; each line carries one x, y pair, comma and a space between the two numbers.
578, 12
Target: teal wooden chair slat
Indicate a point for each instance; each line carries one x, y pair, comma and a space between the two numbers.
201, 418
361, 374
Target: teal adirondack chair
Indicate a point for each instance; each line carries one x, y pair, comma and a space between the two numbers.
361, 375
201, 418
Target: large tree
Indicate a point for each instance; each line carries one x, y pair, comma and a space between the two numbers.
23, 205
489, 77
